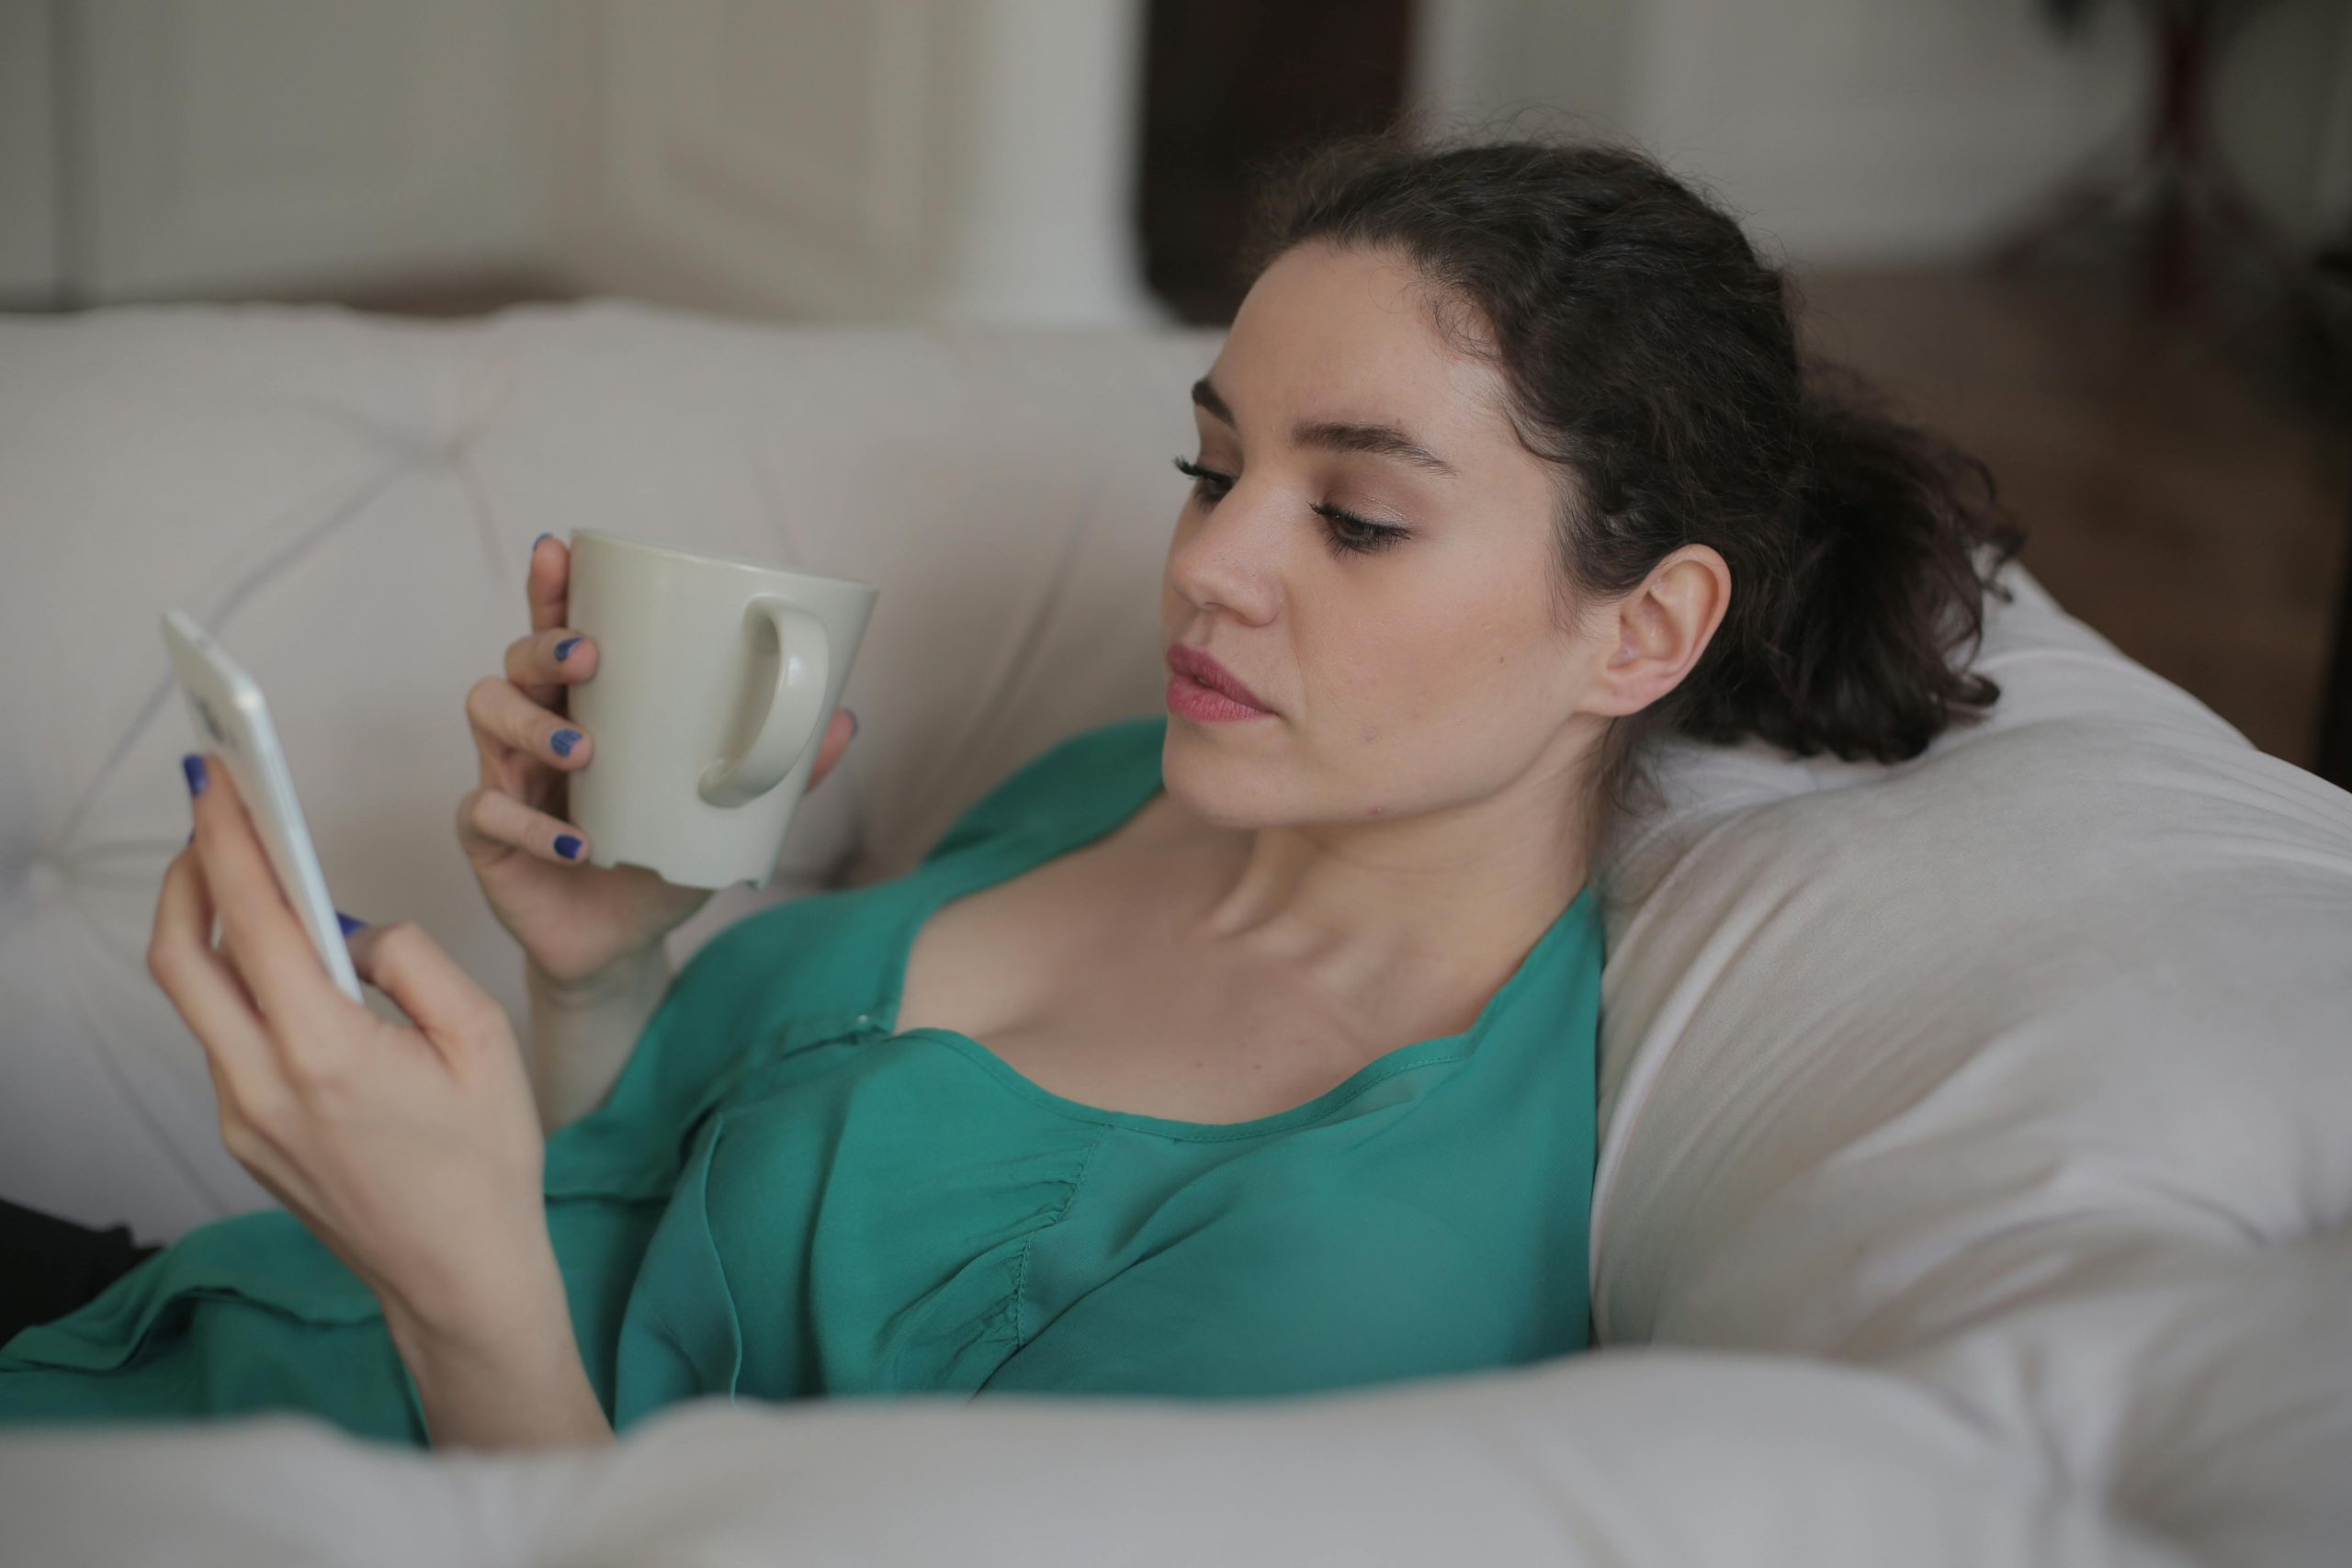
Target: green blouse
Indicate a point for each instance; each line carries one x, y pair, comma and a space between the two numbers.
785, 1197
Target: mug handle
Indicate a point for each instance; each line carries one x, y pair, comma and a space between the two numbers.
803, 668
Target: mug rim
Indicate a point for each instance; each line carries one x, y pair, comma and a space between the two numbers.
708, 557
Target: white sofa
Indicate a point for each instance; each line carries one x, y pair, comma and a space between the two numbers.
1978, 1131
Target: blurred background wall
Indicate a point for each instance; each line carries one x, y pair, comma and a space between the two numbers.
2104, 244
850, 159
1879, 131
868, 157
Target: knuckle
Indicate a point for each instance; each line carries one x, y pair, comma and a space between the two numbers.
481, 816
304, 1073
398, 943
237, 1135
532, 659
481, 700
398, 937
260, 1113
166, 961
324, 1082
481, 1017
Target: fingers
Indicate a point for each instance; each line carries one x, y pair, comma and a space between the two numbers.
270, 950
207, 991
488, 815
250, 1090
542, 664
548, 585
501, 812
454, 1013
501, 712
837, 731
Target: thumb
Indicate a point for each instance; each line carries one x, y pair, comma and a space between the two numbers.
405, 963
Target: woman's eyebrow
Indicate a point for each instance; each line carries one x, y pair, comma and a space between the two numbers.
1380, 440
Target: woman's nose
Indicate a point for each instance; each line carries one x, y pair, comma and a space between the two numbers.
1228, 555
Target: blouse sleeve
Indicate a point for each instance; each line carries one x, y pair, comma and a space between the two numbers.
1040, 786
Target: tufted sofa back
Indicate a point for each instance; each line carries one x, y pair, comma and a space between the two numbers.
349, 503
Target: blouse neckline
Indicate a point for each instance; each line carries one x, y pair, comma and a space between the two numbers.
1035, 842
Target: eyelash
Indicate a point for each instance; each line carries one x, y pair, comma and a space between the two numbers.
1370, 539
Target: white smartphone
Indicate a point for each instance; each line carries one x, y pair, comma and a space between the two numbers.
226, 709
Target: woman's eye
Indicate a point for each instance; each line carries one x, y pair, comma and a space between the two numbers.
1347, 534
1352, 536
1204, 478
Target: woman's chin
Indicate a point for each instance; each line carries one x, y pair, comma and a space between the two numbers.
1203, 790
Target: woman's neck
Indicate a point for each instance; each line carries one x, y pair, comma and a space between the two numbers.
1432, 902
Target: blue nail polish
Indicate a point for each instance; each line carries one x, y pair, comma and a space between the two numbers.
563, 649
564, 740
350, 925
193, 766
567, 846
853, 722
191, 835
540, 540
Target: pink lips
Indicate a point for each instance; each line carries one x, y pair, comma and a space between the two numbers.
1207, 690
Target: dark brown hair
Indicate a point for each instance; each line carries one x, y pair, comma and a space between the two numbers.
1652, 356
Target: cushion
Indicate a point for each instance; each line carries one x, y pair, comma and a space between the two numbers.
1977, 1148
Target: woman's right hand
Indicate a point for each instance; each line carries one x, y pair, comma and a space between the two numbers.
574, 921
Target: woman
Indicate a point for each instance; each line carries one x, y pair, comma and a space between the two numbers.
1243, 1049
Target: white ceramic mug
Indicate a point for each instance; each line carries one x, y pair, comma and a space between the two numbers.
715, 680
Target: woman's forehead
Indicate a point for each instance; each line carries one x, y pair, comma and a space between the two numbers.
1344, 337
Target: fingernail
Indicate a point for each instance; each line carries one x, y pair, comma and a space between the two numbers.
853, 722
537, 542
563, 649
191, 835
567, 846
350, 925
563, 740
193, 766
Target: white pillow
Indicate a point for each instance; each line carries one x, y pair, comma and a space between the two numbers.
1889, 1049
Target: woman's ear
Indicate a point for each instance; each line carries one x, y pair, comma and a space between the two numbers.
1658, 632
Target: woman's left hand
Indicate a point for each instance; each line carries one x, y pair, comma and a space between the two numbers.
414, 1154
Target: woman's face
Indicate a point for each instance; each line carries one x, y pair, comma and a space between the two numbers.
1411, 663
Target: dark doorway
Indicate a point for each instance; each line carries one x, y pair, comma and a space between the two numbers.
1230, 87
